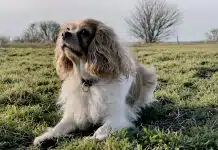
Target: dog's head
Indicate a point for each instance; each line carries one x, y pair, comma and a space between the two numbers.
96, 45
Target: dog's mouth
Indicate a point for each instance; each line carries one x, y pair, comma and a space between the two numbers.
77, 53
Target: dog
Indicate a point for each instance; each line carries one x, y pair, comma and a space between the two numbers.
102, 83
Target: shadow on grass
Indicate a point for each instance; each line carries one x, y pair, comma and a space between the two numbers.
206, 72
166, 116
52, 143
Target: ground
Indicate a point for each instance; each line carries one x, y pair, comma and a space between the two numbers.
185, 116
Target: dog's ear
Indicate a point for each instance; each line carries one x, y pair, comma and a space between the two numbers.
106, 58
62, 63
102, 53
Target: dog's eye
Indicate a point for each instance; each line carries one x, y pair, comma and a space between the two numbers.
68, 29
84, 32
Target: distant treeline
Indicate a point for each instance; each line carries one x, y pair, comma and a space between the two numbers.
44, 32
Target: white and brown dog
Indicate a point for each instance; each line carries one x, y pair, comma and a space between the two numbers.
102, 83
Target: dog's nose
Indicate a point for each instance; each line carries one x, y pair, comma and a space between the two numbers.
66, 35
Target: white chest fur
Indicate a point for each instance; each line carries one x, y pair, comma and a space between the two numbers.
102, 100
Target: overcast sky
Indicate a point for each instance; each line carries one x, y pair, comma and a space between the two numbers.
198, 15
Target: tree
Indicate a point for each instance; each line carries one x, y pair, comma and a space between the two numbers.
48, 30
32, 34
212, 35
153, 20
44, 31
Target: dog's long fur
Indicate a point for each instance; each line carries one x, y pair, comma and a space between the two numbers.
123, 87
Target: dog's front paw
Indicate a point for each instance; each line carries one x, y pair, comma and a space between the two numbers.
42, 138
102, 133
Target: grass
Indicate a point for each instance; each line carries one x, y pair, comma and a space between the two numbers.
185, 117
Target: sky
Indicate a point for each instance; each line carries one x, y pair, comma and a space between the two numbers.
199, 16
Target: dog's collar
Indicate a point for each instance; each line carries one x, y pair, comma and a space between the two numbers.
88, 82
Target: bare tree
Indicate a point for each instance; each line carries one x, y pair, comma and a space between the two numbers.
212, 35
153, 20
31, 34
48, 30
45, 31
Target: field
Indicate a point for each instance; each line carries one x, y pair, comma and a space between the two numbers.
185, 116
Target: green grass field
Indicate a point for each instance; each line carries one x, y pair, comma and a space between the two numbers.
185, 117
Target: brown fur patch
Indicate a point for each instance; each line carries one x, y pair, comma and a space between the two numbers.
106, 58
63, 64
